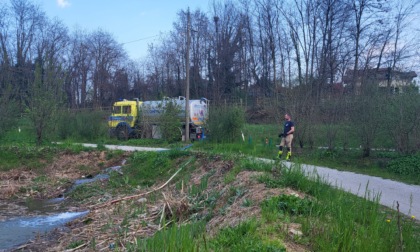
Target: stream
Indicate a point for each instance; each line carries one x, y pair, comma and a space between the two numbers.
21, 221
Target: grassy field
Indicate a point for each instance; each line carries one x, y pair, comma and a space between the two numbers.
382, 162
261, 141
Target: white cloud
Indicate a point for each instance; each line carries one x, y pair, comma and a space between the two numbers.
63, 3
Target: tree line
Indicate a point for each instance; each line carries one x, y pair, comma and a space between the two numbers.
282, 55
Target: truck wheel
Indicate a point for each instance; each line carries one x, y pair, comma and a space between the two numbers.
122, 133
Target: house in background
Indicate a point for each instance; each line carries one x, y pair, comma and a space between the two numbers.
389, 80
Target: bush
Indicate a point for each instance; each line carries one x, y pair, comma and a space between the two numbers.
85, 125
290, 204
8, 113
407, 165
170, 125
225, 124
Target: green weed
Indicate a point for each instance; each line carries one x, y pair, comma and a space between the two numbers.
72, 147
21, 132
86, 191
385, 164
225, 124
341, 221
75, 244
147, 168
196, 190
288, 204
82, 125
175, 238
25, 156
244, 237
406, 165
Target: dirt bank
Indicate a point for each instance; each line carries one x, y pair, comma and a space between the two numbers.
56, 177
116, 225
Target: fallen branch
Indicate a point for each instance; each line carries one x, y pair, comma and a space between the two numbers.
142, 194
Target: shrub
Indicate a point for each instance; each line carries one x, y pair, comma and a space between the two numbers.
407, 165
170, 125
8, 114
84, 125
225, 124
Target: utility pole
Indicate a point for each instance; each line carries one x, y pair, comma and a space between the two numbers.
187, 88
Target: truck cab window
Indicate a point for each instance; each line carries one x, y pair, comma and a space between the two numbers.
116, 109
126, 109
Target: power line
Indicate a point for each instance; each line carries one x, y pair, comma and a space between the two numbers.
139, 39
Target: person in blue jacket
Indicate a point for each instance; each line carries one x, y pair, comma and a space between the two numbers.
287, 137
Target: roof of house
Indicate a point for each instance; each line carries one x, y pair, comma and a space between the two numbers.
378, 74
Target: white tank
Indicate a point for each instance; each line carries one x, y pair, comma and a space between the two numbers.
198, 109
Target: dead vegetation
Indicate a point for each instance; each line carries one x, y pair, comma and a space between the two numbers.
55, 178
123, 219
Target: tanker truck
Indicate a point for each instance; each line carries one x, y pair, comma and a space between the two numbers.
140, 119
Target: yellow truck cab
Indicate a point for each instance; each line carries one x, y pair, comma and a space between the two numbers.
123, 117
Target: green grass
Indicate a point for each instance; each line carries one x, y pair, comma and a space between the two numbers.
258, 140
247, 236
21, 134
337, 220
189, 237
148, 168
389, 165
75, 244
261, 140
12, 156
83, 192
331, 220
141, 142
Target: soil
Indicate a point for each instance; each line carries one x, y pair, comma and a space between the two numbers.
106, 227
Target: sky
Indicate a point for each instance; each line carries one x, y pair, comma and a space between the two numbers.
133, 23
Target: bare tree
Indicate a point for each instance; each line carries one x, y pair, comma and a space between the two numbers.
365, 13
25, 24
229, 29
4, 36
5, 57
200, 45
268, 19
107, 55
79, 67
